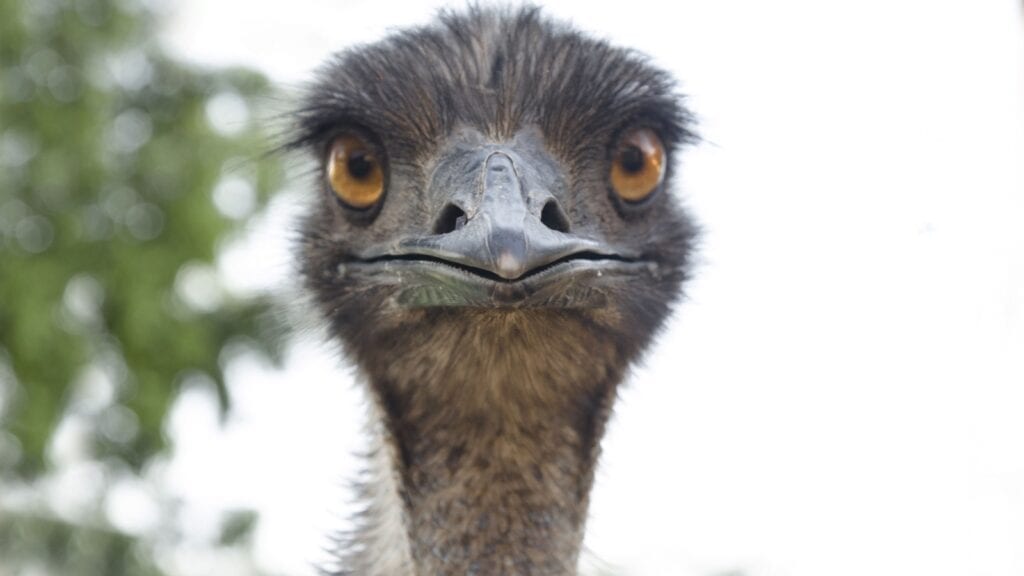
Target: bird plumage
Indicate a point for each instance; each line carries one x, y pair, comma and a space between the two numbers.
492, 344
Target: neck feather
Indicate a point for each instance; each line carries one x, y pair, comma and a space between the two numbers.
484, 463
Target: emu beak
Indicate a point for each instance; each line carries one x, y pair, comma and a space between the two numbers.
502, 238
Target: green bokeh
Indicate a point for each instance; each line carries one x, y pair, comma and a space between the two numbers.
109, 155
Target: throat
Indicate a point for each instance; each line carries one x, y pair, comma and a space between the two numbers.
497, 499
485, 462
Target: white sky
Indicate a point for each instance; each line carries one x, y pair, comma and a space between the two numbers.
842, 394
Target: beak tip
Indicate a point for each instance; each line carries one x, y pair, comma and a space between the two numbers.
509, 266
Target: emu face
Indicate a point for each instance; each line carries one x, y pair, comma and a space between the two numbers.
493, 165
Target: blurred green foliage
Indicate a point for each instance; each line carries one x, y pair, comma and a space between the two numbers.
50, 547
110, 152
121, 173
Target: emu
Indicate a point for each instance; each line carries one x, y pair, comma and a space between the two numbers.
493, 242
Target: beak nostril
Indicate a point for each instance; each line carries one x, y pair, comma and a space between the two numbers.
553, 217
452, 218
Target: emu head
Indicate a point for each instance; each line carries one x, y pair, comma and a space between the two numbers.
493, 186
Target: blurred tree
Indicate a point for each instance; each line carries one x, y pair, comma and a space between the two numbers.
49, 546
110, 154
121, 171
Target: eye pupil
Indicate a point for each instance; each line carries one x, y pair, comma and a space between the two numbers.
360, 165
631, 159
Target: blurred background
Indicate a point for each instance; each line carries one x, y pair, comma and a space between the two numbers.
841, 394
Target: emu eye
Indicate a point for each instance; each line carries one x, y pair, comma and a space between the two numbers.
638, 165
354, 172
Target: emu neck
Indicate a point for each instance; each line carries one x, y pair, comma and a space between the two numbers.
491, 455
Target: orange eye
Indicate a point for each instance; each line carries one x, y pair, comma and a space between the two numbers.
354, 172
638, 166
